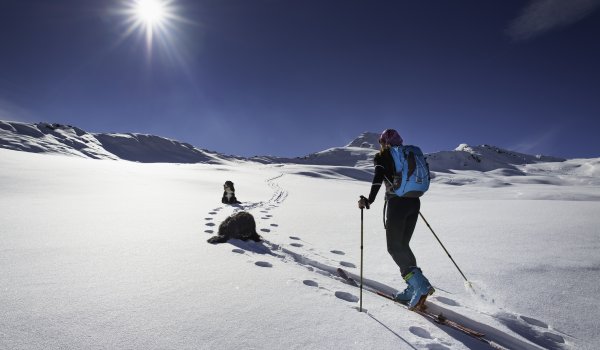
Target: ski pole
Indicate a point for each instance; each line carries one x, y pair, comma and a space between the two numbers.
436, 237
361, 258
361, 250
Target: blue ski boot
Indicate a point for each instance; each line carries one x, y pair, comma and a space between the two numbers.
405, 295
421, 288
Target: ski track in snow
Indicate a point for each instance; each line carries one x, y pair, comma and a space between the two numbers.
537, 332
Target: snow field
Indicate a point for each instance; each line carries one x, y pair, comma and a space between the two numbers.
113, 254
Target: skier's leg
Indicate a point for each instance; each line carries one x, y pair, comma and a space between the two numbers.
401, 221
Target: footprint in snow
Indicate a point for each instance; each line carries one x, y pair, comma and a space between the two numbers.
420, 332
264, 218
347, 264
297, 245
338, 252
310, 283
264, 211
263, 264
210, 224
239, 251
212, 213
209, 231
295, 238
274, 225
208, 219
265, 230
346, 296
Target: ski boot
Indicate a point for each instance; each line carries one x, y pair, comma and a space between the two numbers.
404, 296
421, 289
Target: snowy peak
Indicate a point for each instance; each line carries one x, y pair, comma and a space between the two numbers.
493, 152
482, 158
366, 140
51, 138
69, 140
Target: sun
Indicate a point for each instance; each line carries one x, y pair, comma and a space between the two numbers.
155, 19
151, 12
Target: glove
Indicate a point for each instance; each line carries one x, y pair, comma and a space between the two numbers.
363, 203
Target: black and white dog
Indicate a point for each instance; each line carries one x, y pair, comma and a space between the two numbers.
240, 225
229, 194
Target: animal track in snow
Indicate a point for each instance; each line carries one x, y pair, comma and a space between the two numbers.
347, 264
263, 264
346, 296
338, 252
310, 283
420, 332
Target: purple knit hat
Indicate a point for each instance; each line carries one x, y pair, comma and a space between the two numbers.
390, 137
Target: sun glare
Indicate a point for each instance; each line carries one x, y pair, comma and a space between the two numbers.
150, 12
155, 19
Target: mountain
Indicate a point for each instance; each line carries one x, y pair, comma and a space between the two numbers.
70, 140
360, 153
482, 158
366, 140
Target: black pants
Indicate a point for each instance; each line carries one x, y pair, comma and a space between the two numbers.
402, 215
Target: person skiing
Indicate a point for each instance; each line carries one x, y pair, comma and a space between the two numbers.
402, 215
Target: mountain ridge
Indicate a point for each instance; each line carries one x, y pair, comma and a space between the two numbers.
69, 140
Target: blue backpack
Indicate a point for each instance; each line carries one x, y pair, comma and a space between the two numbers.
412, 171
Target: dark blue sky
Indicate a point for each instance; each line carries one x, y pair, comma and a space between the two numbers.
290, 77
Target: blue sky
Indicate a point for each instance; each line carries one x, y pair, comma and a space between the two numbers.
290, 77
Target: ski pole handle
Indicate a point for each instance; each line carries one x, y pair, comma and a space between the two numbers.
366, 202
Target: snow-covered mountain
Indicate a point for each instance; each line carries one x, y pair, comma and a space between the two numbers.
69, 140
482, 158
366, 140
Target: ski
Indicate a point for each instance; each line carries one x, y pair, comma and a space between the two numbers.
437, 318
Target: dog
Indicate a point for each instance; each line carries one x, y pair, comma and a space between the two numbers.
240, 225
229, 194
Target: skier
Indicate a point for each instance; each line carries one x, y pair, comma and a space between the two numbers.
402, 214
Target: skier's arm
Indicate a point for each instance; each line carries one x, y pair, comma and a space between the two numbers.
377, 181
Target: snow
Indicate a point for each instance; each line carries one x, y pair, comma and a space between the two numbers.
100, 254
